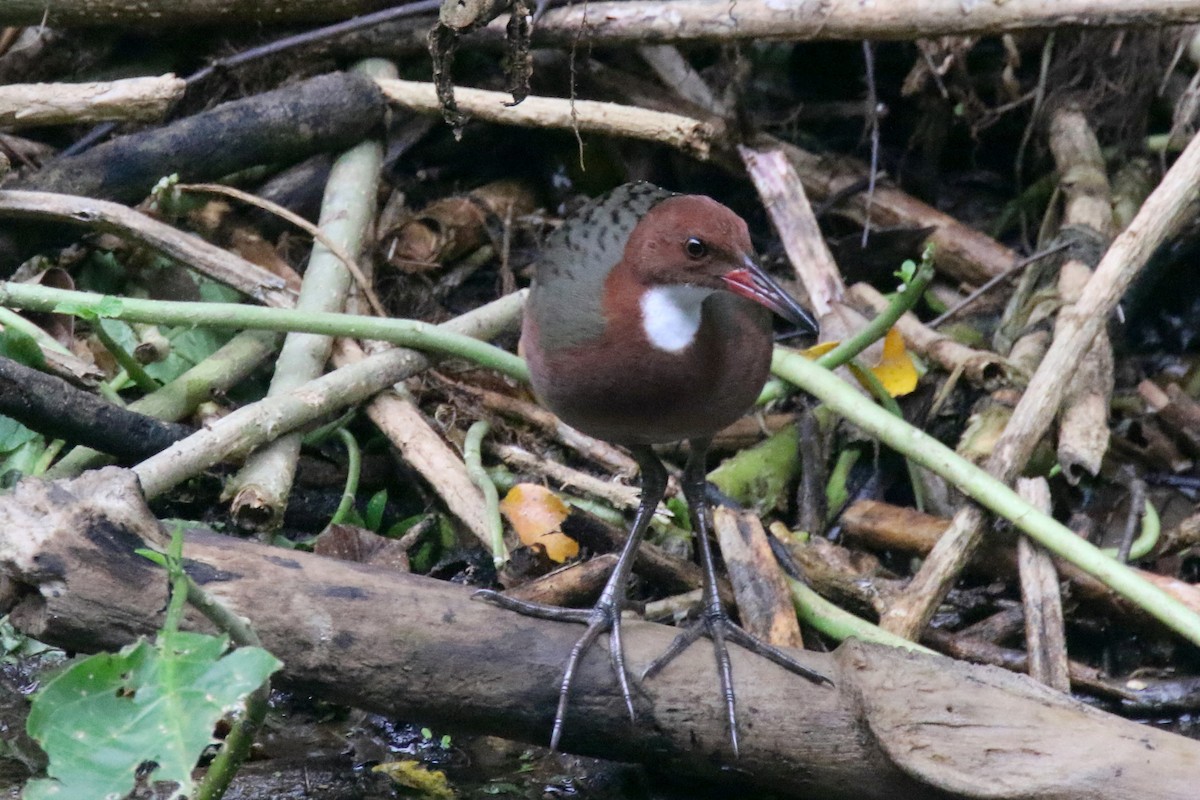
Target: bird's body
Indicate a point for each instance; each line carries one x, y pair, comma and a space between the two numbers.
649, 322
609, 359
606, 399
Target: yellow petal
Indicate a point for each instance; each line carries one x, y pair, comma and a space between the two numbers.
818, 350
895, 369
536, 513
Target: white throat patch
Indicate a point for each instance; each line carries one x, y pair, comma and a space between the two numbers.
671, 315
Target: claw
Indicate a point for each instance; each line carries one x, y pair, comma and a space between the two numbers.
606, 614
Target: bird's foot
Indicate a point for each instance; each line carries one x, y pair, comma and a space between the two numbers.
604, 616
717, 626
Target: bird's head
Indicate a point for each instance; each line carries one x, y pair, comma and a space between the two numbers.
692, 240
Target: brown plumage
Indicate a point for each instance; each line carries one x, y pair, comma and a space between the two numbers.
649, 322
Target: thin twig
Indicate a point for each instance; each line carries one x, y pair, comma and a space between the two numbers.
992, 283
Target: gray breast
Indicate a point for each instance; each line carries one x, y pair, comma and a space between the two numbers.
578, 257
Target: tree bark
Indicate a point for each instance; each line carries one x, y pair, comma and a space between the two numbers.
896, 725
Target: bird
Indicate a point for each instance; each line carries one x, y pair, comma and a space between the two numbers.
649, 322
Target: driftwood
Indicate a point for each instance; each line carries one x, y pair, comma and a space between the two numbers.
896, 725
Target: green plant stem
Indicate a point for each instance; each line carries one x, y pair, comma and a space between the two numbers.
839, 624
353, 470
241, 734
11, 319
108, 389
836, 493
407, 333
773, 389
317, 436
236, 746
472, 455
877, 328
184, 590
867, 378
179, 585
225, 368
47, 456
993, 494
1144, 543
123, 357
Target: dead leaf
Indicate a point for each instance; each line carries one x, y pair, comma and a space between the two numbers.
536, 514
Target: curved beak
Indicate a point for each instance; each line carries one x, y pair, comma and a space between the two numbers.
751, 281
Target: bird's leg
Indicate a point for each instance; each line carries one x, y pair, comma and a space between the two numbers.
605, 615
715, 621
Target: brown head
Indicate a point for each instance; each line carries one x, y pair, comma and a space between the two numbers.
692, 240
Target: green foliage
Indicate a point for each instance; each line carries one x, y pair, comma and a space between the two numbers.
189, 346
679, 510
444, 742
110, 713
106, 306
15, 645
107, 715
21, 347
102, 272
375, 508
213, 292
13, 434
909, 268
20, 449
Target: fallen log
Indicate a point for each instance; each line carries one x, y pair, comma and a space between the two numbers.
896, 725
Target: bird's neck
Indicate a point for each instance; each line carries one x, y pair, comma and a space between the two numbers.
670, 315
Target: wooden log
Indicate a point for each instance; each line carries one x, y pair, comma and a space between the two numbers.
896, 725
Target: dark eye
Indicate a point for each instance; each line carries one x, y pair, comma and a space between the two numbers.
695, 248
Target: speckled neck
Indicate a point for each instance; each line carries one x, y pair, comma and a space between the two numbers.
571, 273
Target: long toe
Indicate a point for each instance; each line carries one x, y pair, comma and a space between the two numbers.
717, 626
739, 635
604, 616
538, 610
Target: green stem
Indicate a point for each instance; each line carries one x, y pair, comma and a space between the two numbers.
179, 583
993, 494
836, 493
1144, 543
123, 357
241, 734
184, 590
877, 328
236, 746
353, 470
47, 457
867, 378
407, 333
11, 319
839, 624
472, 455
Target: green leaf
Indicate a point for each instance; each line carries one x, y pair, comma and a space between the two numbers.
20, 451
21, 347
906, 273
375, 508
108, 714
213, 292
679, 510
13, 434
152, 555
189, 346
105, 306
398, 529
